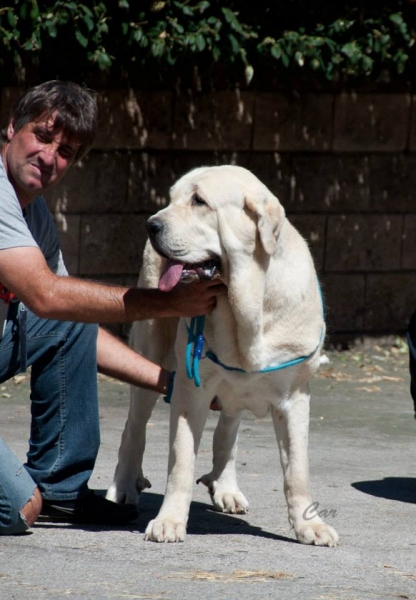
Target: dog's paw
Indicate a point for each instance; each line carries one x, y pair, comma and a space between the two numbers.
319, 534
226, 499
127, 492
234, 503
165, 530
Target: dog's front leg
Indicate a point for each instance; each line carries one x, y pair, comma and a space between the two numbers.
129, 481
222, 480
189, 411
291, 425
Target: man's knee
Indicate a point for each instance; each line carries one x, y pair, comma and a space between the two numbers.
32, 509
20, 499
15, 521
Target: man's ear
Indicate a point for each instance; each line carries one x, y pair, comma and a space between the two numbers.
10, 130
270, 217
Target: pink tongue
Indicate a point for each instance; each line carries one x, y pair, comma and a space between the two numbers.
170, 276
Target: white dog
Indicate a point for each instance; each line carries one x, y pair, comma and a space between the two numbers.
261, 344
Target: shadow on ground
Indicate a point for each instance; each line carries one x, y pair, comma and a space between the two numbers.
203, 520
402, 489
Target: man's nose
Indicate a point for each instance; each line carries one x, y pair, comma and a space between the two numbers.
48, 153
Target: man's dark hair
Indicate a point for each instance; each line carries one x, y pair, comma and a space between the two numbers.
75, 108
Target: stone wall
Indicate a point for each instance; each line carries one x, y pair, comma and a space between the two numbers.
342, 164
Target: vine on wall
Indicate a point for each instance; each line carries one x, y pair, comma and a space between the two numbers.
334, 42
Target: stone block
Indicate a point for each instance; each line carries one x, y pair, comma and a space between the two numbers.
328, 183
363, 242
112, 244
392, 182
409, 243
371, 122
312, 229
412, 134
153, 174
132, 119
275, 171
344, 299
390, 301
215, 121
151, 177
293, 122
97, 184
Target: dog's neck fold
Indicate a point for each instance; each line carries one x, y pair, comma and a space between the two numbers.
263, 290
246, 277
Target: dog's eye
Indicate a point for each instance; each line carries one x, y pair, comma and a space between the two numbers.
198, 201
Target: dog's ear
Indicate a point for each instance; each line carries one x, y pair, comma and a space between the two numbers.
270, 216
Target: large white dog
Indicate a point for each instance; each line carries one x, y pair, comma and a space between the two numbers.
258, 348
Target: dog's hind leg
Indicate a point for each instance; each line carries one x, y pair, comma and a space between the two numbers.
291, 424
222, 480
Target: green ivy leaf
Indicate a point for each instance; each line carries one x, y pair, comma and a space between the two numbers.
285, 59
51, 27
397, 19
81, 38
367, 63
276, 51
103, 61
200, 42
202, 6
11, 18
137, 35
34, 12
89, 22
158, 48
234, 43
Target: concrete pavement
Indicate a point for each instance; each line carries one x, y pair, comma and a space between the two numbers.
363, 476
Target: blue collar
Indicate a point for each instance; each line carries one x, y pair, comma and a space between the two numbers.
196, 341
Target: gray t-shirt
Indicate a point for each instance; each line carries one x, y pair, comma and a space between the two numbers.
32, 227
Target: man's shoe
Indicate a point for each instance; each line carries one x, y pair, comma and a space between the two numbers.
92, 509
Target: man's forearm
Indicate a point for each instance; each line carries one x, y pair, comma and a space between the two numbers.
116, 359
73, 299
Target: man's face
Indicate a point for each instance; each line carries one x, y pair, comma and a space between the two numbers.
36, 158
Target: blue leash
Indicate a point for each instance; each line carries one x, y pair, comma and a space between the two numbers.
195, 341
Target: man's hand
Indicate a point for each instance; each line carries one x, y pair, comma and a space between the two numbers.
196, 298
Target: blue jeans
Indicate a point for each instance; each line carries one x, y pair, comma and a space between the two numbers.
64, 435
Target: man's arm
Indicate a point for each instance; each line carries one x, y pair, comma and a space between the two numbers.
116, 359
25, 272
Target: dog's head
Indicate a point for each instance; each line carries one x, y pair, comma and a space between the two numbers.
215, 213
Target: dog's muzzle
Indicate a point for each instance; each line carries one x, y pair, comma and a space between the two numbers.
174, 270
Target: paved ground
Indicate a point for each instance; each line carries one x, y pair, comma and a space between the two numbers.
362, 454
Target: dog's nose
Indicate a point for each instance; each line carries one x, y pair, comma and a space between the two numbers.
154, 226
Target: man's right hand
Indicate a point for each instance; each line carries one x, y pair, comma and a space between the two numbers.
196, 298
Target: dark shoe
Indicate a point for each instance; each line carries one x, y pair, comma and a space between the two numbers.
91, 509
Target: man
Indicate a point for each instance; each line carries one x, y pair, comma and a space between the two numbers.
51, 319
